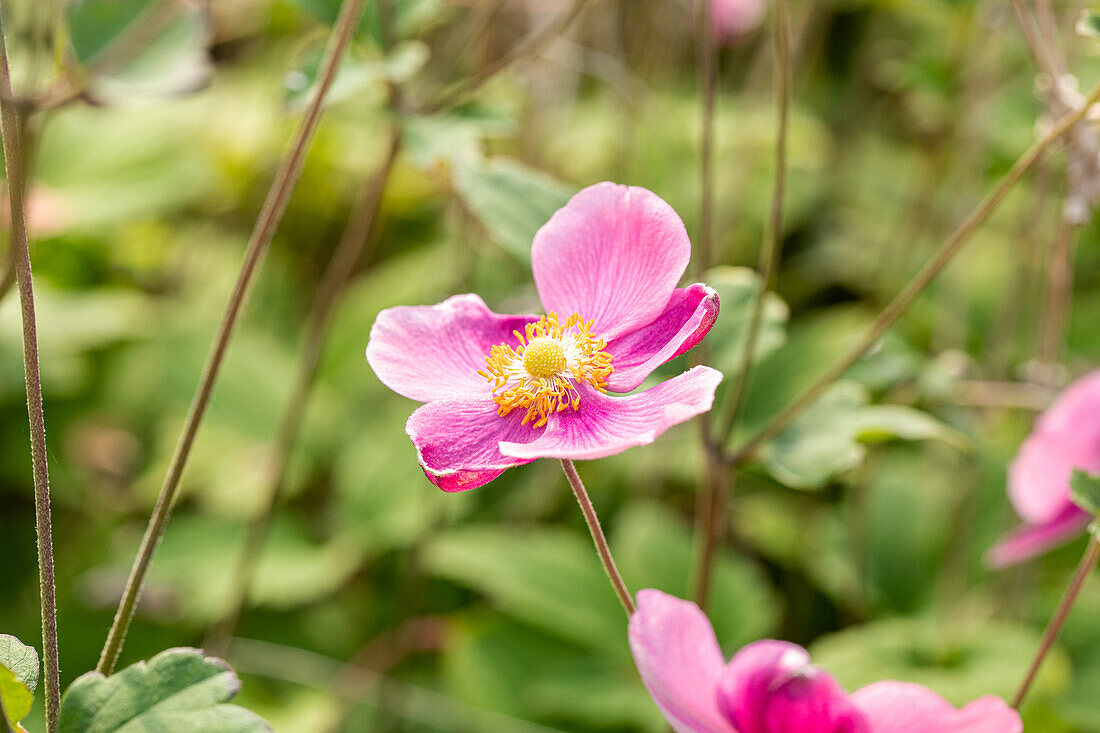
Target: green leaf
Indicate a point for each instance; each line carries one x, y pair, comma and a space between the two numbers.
1089, 24
432, 140
410, 17
355, 76
510, 200
655, 549
1086, 491
177, 691
140, 48
549, 578
962, 660
737, 289
827, 439
20, 659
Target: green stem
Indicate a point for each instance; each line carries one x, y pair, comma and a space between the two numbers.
12, 122
336, 276
265, 228
920, 281
602, 548
1054, 628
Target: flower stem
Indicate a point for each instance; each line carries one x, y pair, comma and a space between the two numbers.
719, 478
1059, 293
261, 237
335, 277
709, 83
920, 281
1054, 628
598, 537
527, 48
14, 133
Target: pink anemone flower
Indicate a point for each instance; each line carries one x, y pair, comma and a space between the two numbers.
771, 687
504, 390
1066, 437
731, 20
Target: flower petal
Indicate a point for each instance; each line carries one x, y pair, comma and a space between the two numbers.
456, 441
1066, 436
613, 254
1030, 540
771, 687
428, 352
603, 426
904, 707
679, 660
686, 319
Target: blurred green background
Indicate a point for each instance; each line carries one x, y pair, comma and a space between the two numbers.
859, 532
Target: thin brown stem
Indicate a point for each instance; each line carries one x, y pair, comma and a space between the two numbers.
336, 276
265, 228
920, 281
1054, 628
708, 78
711, 524
1059, 293
602, 548
12, 122
529, 47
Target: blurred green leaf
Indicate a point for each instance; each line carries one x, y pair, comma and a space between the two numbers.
408, 17
433, 140
140, 48
510, 200
826, 440
1086, 491
177, 691
550, 578
962, 659
18, 677
1089, 24
737, 289
655, 549
355, 76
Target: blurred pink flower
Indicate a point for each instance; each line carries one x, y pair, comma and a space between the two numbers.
503, 390
733, 19
1066, 437
771, 687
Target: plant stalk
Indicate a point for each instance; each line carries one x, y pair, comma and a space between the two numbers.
1054, 628
336, 276
14, 133
916, 286
262, 235
602, 548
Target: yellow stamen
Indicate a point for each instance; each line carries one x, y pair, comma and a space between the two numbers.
541, 374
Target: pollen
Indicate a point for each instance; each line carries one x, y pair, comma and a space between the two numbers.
541, 373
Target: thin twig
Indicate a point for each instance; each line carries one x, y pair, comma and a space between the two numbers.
529, 47
12, 123
1054, 628
1059, 293
602, 548
336, 276
719, 478
905, 298
708, 81
265, 228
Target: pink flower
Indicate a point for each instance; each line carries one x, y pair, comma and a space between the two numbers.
733, 19
504, 390
771, 687
1066, 437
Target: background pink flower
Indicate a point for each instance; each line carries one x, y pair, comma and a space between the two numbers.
732, 19
607, 265
1066, 437
771, 687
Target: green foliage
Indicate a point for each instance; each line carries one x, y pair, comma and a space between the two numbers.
737, 289
1089, 24
1086, 491
18, 677
177, 691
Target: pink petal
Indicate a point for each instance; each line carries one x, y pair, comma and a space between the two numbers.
686, 319
731, 19
903, 707
604, 425
1066, 436
613, 254
679, 660
771, 687
457, 441
1030, 540
430, 352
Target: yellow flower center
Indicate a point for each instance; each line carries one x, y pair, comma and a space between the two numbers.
541, 374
